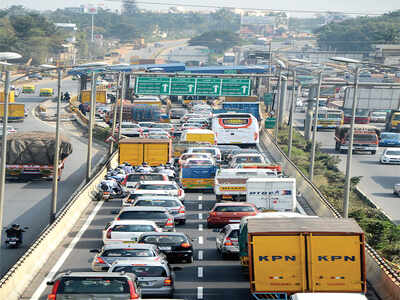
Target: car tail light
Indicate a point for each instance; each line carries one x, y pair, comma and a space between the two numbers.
100, 260
228, 242
170, 222
167, 281
108, 234
255, 135
179, 192
132, 291
53, 294
185, 245
181, 210
213, 214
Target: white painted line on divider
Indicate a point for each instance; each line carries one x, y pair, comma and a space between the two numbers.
39, 291
201, 240
200, 197
200, 227
200, 254
200, 272
200, 206
200, 216
200, 292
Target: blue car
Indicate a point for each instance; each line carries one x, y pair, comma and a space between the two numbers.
389, 139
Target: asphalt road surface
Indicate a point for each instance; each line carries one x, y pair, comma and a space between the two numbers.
28, 203
377, 180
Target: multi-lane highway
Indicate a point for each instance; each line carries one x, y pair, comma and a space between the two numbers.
377, 179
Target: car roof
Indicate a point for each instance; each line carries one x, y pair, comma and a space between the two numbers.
393, 148
128, 246
165, 233
247, 154
137, 261
156, 197
158, 182
94, 274
234, 204
143, 208
133, 222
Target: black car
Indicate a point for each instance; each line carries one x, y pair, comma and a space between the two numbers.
175, 245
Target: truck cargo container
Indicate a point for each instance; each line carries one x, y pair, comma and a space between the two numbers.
138, 150
293, 255
250, 104
277, 194
16, 112
366, 138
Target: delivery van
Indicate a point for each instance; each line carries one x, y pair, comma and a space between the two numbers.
46, 92
199, 136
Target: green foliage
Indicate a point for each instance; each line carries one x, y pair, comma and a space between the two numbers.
216, 41
361, 33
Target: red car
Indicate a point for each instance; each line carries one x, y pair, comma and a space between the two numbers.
229, 212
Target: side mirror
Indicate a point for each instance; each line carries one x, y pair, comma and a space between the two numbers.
94, 251
50, 282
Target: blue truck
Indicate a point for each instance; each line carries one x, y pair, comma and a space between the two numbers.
249, 104
198, 177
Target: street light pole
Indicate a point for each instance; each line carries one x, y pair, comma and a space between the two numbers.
56, 175
4, 150
121, 106
350, 149
277, 106
114, 122
270, 67
314, 138
292, 116
91, 121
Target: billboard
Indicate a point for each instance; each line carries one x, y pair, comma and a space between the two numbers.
373, 98
258, 20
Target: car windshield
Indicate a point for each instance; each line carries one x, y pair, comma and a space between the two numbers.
390, 136
365, 137
166, 239
393, 152
133, 228
158, 187
202, 150
128, 253
234, 209
142, 271
234, 234
199, 162
379, 114
142, 215
249, 159
162, 203
93, 285
145, 177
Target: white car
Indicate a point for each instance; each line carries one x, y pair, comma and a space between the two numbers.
171, 187
131, 129
214, 151
390, 156
185, 156
10, 130
127, 231
396, 189
247, 158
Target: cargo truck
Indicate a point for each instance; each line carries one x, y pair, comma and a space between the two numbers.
138, 150
249, 104
393, 121
276, 194
366, 138
16, 112
293, 255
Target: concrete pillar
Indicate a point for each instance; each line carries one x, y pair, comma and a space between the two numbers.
282, 107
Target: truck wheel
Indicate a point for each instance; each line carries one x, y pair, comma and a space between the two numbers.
373, 152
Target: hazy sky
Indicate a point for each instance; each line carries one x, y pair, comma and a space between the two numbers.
362, 6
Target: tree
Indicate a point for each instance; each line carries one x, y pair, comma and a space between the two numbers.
129, 7
217, 41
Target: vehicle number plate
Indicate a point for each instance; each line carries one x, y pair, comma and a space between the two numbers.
129, 242
164, 248
234, 221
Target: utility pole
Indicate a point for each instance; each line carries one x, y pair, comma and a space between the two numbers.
270, 67
91, 122
277, 106
350, 149
56, 162
291, 116
314, 139
114, 122
121, 107
4, 150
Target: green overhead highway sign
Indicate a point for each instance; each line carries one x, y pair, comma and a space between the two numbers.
195, 86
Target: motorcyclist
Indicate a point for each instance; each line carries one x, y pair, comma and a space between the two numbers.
15, 231
119, 175
128, 168
67, 96
145, 168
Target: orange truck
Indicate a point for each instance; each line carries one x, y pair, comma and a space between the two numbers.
303, 255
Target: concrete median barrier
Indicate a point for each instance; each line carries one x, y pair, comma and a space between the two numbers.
18, 278
383, 279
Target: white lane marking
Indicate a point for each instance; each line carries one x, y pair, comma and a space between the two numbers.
200, 272
200, 206
200, 255
200, 216
39, 291
200, 197
201, 240
200, 292
200, 227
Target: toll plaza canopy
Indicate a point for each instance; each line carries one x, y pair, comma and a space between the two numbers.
173, 68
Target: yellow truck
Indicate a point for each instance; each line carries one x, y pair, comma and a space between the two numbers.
46, 92
28, 89
138, 150
11, 97
16, 112
101, 96
293, 255
199, 136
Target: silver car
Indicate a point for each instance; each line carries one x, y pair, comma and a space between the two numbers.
154, 278
171, 203
99, 285
110, 253
390, 156
227, 240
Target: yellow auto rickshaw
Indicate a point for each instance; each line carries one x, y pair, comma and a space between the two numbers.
46, 92
28, 89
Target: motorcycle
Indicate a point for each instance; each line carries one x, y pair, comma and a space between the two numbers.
13, 241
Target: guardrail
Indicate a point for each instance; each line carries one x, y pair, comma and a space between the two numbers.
380, 275
18, 278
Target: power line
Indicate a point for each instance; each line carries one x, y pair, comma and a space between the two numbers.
374, 13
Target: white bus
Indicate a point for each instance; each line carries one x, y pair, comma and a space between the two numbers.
235, 128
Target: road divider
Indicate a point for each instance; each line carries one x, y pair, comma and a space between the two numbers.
18, 278
384, 279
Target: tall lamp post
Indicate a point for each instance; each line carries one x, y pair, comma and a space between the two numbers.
278, 101
350, 148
